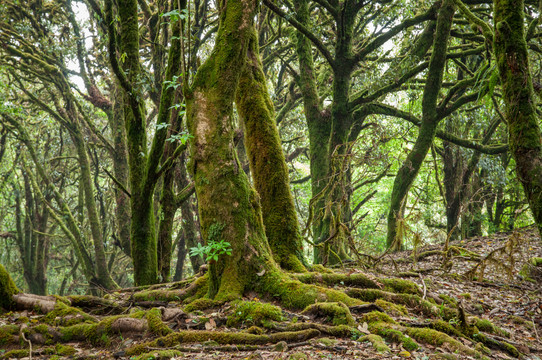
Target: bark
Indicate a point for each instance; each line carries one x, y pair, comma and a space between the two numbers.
523, 124
267, 163
144, 163
120, 169
318, 125
410, 168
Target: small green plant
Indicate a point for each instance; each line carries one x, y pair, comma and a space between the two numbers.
215, 246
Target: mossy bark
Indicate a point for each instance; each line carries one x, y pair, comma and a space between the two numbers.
267, 163
7, 289
318, 125
523, 124
144, 163
410, 168
225, 199
33, 246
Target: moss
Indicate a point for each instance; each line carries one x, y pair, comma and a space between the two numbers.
255, 330
388, 332
15, 354
400, 286
327, 342
96, 334
201, 288
511, 349
335, 313
414, 302
377, 316
298, 356
155, 323
319, 268
487, 326
7, 289
466, 296
360, 280
64, 350
8, 334
445, 356
202, 304
221, 338
340, 331
446, 327
377, 342
391, 308
66, 315
159, 355
253, 313
42, 329
448, 300
158, 295
296, 295
437, 338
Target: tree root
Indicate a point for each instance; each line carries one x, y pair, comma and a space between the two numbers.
220, 337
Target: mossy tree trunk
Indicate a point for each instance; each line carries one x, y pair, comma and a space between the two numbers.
318, 125
410, 168
524, 134
121, 171
33, 246
229, 208
267, 163
146, 165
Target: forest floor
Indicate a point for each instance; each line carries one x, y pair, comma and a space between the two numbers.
484, 277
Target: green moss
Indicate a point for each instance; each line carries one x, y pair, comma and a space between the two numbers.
201, 289
158, 295
155, 323
391, 308
253, 313
319, 268
360, 280
255, 330
64, 350
482, 338
437, 338
335, 313
296, 295
518, 320
15, 354
413, 302
448, 300
400, 286
159, 355
298, 356
96, 334
487, 326
202, 304
377, 342
466, 296
446, 327
377, 316
8, 333
66, 315
387, 331
7, 289
221, 338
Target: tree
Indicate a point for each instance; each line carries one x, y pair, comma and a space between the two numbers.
524, 134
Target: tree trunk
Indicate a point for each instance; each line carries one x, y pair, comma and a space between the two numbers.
408, 171
524, 132
267, 164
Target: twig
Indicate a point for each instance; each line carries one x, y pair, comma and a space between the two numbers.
424, 286
535, 332
29, 343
